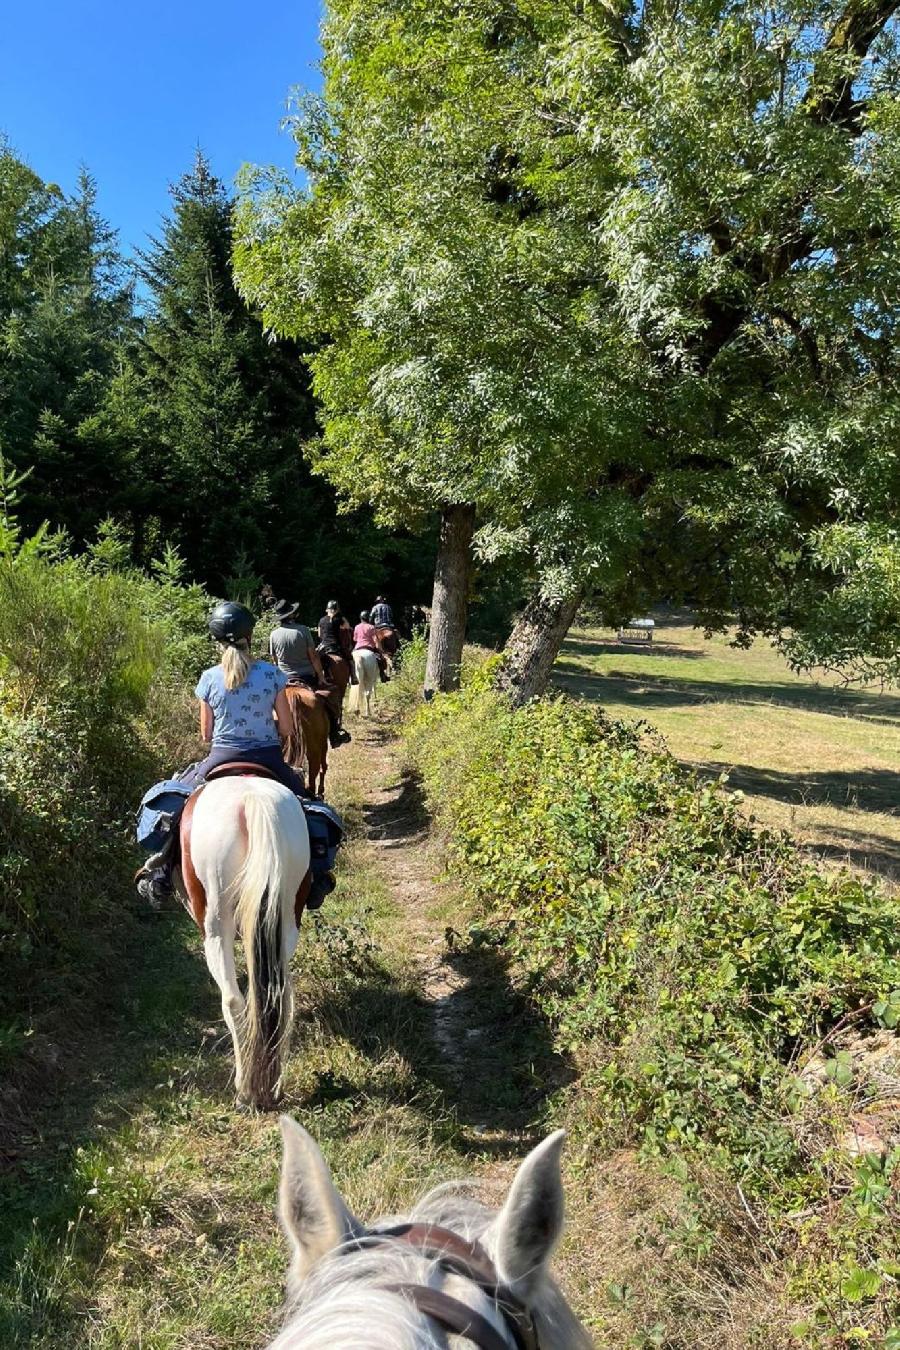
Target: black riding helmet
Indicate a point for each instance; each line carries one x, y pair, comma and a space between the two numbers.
365, 616
230, 622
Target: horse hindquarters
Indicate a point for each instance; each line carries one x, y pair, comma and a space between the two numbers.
314, 722
365, 664
251, 852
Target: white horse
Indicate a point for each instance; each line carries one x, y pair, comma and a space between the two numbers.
245, 854
453, 1273
365, 663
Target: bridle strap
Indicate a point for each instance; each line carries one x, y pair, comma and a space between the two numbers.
452, 1314
471, 1261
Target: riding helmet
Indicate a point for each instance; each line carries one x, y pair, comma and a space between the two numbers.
230, 622
365, 616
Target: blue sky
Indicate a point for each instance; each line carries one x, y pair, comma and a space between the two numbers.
130, 89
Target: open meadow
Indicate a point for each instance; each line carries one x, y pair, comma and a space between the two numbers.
812, 757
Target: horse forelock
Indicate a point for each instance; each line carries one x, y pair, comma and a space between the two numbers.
343, 1302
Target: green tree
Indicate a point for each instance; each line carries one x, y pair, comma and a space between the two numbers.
216, 411
65, 305
453, 369
623, 279
743, 163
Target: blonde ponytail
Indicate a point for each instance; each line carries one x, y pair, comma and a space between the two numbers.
235, 662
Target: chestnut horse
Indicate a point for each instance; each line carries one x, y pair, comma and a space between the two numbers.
245, 867
390, 645
306, 747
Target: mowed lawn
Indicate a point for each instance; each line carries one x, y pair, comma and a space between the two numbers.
814, 758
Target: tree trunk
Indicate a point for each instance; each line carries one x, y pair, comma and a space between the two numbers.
449, 602
534, 644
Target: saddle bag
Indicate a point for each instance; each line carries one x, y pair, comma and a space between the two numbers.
326, 830
159, 813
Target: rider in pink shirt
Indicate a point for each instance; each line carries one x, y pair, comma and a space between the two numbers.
365, 638
365, 635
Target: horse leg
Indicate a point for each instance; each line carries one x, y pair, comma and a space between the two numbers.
219, 950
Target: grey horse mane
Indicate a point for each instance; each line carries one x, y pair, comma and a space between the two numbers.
340, 1306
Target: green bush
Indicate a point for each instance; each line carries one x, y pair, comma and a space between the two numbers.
690, 964
683, 953
94, 659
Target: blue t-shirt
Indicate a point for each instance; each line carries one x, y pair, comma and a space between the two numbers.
243, 716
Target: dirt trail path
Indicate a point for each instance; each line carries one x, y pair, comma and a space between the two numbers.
496, 1064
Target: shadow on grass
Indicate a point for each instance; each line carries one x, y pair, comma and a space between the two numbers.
593, 647
112, 1013
649, 692
502, 1068
863, 790
489, 1056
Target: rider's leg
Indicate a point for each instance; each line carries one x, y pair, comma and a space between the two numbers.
270, 757
334, 707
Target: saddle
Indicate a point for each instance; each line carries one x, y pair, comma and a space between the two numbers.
236, 768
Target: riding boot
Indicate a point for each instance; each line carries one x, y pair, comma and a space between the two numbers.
154, 879
337, 736
321, 886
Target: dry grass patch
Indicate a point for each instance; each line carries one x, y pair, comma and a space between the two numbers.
811, 757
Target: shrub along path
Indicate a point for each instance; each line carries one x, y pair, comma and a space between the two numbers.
138, 1206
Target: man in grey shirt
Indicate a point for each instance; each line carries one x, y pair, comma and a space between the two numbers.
293, 649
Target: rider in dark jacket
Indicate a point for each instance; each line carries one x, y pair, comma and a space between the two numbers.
382, 614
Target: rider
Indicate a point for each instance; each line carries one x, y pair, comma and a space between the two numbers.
365, 638
292, 648
382, 614
334, 632
243, 709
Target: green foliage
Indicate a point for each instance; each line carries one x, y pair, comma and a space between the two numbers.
179, 418
65, 306
93, 658
690, 963
626, 277
685, 953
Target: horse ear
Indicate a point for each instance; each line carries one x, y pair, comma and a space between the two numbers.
524, 1233
313, 1215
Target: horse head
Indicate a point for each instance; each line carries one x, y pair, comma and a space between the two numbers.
451, 1266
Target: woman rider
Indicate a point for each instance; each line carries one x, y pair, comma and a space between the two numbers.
243, 712
365, 638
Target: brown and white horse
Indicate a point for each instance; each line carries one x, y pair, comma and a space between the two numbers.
245, 859
451, 1273
306, 747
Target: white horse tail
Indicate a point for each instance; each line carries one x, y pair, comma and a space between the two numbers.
258, 912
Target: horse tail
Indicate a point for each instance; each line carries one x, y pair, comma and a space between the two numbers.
258, 912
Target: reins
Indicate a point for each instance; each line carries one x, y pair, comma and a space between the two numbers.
468, 1259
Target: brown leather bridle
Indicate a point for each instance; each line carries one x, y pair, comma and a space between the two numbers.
468, 1259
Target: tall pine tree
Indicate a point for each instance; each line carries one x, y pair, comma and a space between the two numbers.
218, 410
65, 306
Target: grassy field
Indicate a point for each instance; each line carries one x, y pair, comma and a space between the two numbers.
816, 759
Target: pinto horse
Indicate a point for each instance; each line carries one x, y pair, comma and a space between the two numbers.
451, 1269
306, 747
245, 860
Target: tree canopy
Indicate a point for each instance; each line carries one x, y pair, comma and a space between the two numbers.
624, 276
